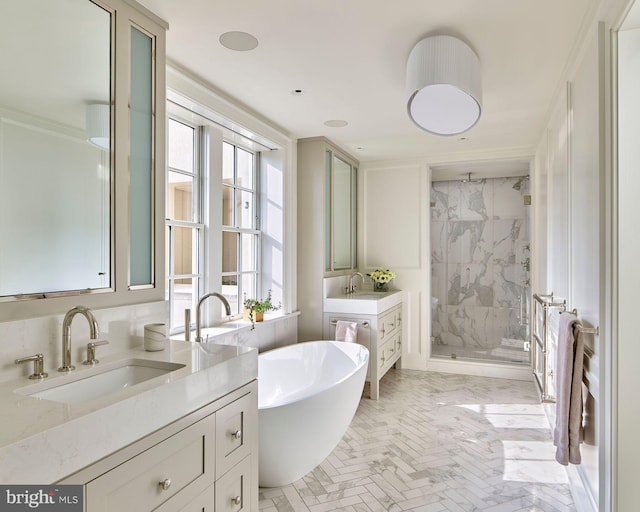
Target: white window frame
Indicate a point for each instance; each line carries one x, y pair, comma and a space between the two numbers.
197, 277
275, 206
255, 230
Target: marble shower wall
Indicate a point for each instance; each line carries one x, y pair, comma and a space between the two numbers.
479, 242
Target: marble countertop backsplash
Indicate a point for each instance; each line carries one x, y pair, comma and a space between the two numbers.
122, 326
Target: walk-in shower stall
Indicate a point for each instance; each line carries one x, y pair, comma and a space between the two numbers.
481, 262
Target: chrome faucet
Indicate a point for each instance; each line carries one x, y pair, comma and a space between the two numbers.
224, 301
352, 287
66, 334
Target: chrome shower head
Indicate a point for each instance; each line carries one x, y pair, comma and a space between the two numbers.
469, 180
518, 184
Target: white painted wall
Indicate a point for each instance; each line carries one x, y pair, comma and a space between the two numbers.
310, 238
273, 208
539, 219
570, 161
558, 202
394, 200
628, 339
587, 239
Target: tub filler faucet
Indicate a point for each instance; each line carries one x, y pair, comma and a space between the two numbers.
66, 334
224, 301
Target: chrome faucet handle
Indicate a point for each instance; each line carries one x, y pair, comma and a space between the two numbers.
38, 366
91, 352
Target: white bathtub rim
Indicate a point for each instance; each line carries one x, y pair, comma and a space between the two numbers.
318, 390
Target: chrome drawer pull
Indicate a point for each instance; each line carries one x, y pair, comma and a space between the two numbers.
237, 500
165, 484
237, 434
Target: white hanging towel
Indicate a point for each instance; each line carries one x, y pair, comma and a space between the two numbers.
567, 434
346, 331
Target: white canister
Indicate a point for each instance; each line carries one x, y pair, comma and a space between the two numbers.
155, 337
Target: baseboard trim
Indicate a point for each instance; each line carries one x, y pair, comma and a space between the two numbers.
582, 496
480, 369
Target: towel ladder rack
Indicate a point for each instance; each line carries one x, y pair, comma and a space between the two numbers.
541, 353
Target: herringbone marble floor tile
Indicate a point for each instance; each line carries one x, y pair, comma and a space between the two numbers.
437, 442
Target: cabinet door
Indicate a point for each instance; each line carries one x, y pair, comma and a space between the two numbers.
203, 503
388, 324
182, 462
141, 176
389, 353
233, 490
236, 432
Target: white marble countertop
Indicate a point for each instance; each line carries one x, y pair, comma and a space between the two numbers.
42, 441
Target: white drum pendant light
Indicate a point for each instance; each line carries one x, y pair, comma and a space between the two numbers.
444, 87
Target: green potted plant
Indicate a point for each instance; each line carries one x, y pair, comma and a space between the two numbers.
255, 309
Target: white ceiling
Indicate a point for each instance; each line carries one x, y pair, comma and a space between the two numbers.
349, 56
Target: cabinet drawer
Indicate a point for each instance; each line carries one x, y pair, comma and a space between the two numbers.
388, 324
398, 341
236, 431
389, 353
384, 353
233, 490
203, 503
184, 460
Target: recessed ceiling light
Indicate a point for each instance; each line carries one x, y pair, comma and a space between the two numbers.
336, 123
238, 41
297, 92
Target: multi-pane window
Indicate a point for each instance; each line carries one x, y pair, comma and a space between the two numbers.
184, 225
240, 234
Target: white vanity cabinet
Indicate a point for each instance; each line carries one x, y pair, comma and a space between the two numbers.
206, 461
381, 334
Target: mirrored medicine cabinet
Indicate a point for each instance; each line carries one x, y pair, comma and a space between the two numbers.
327, 211
341, 181
82, 160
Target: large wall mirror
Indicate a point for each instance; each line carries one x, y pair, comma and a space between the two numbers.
55, 149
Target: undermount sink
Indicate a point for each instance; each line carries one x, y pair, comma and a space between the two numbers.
364, 303
106, 381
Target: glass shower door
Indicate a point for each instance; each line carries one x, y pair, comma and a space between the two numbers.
481, 263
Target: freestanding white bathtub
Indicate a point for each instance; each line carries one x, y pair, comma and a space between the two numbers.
308, 394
